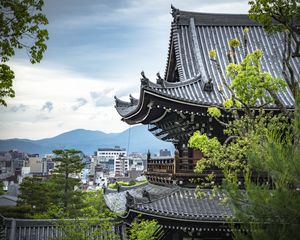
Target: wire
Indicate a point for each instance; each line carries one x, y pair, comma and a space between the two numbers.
128, 142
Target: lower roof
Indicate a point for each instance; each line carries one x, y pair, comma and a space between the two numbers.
171, 202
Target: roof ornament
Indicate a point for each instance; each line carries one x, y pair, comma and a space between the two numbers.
129, 200
146, 194
208, 86
148, 155
133, 101
160, 80
144, 80
116, 100
175, 13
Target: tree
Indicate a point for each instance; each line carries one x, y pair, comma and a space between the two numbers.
270, 210
36, 193
281, 16
20, 23
248, 84
93, 221
143, 229
69, 165
262, 148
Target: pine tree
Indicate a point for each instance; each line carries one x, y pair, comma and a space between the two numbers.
65, 177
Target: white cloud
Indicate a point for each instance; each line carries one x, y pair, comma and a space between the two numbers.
48, 106
79, 103
37, 85
95, 51
18, 108
103, 98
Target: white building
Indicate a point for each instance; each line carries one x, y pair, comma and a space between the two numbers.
136, 163
110, 158
35, 162
121, 166
104, 153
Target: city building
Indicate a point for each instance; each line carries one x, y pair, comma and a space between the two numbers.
112, 160
164, 153
121, 166
38, 165
176, 106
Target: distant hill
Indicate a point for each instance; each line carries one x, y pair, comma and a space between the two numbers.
137, 138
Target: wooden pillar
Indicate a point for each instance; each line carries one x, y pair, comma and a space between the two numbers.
12, 229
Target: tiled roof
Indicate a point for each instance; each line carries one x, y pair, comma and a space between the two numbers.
172, 202
193, 35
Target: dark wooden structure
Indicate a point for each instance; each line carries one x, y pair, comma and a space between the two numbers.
176, 105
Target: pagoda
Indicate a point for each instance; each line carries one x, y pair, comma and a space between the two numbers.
175, 106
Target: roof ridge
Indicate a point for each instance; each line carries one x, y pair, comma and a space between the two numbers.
161, 196
181, 17
167, 85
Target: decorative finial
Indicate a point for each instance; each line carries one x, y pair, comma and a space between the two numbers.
158, 76
148, 155
208, 86
159, 79
133, 101
144, 80
129, 200
146, 194
116, 101
175, 13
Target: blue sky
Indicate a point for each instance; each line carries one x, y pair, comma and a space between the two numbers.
96, 50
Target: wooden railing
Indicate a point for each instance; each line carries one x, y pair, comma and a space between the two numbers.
42, 229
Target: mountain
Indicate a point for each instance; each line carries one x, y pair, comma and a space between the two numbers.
134, 139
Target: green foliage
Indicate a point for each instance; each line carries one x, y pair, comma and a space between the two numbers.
57, 196
269, 206
275, 16
20, 23
1, 188
93, 221
143, 229
122, 183
231, 157
79, 215
246, 30
250, 83
212, 53
6, 79
214, 112
272, 209
24, 211
234, 43
228, 103
65, 178
36, 193
86, 229
260, 141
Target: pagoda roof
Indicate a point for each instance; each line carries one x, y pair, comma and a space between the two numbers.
192, 36
170, 202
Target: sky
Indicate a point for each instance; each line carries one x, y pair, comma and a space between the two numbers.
96, 50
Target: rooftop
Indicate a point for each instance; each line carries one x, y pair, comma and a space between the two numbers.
172, 202
192, 36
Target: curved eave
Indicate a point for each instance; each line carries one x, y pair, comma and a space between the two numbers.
180, 218
144, 112
130, 110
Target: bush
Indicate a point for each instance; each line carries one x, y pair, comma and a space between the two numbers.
24, 211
